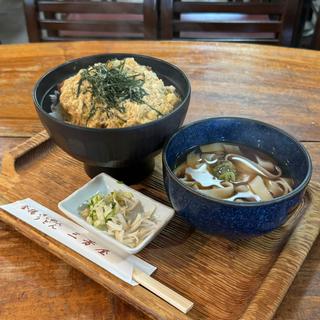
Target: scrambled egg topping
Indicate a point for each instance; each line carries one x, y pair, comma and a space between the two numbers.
80, 107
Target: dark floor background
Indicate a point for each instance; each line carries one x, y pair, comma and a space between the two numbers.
12, 22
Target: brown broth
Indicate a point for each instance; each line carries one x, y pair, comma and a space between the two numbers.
233, 172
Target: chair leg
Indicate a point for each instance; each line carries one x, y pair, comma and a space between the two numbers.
31, 14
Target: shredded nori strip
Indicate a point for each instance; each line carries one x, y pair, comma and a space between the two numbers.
111, 86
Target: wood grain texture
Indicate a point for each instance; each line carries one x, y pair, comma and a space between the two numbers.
303, 298
52, 291
9, 143
286, 265
241, 275
15, 128
276, 85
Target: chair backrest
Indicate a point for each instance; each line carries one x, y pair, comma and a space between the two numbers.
74, 20
265, 21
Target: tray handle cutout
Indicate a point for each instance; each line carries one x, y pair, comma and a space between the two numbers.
9, 160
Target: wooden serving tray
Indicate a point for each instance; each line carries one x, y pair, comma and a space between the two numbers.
242, 279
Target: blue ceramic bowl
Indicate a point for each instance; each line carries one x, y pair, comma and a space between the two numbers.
229, 218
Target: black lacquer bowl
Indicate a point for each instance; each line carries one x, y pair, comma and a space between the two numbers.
125, 153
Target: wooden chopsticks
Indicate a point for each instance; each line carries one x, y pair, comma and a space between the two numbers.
159, 289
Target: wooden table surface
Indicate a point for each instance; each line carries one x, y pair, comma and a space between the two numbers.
277, 85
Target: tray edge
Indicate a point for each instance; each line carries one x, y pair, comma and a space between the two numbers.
288, 263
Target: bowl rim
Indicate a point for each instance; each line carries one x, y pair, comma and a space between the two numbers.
291, 194
122, 55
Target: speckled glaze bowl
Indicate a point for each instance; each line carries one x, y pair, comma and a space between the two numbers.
124, 153
231, 219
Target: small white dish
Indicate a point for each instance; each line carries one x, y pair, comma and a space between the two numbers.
104, 184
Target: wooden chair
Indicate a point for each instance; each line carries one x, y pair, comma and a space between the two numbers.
242, 21
74, 20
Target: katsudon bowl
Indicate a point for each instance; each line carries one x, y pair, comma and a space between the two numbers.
125, 153
227, 218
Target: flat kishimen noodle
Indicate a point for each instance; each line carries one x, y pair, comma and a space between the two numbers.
233, 172
274, 188
250, 166
241, 188
259, 188
242, 179
229, 148
210, 158
193, 159
212, 148
285, 184
222, 193
268, 165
